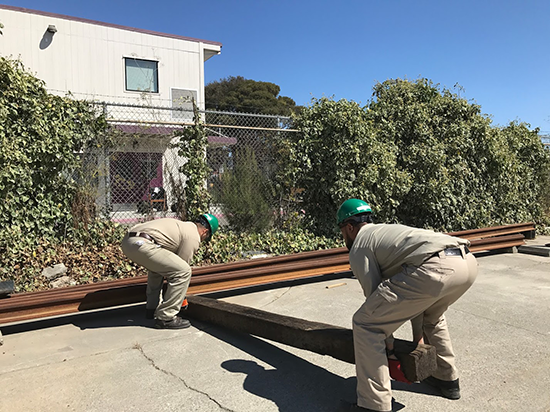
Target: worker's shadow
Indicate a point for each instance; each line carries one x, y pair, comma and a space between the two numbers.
118, 317
292, 383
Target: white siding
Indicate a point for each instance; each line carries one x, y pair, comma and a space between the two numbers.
88, 59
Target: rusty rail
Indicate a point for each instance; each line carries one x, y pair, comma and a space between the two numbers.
525, 229
34, 305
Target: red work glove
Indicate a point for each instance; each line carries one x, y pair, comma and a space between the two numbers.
395, 371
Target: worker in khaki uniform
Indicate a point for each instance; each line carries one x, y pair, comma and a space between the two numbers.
165, 247
406, 274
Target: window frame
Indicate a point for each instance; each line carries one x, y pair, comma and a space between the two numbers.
156, 72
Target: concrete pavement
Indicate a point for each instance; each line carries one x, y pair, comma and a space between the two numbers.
113, 360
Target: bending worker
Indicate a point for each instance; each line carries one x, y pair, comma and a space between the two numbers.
406, 274
165, 247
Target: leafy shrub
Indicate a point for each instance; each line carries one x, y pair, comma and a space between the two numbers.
337, 155
464, 172
92, 258
419, 155
227, 246
245, 194
41, 138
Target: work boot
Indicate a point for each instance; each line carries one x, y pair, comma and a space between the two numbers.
149, 313
449, 389
175, 323
353, 407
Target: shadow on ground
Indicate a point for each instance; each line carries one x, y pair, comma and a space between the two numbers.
108, 318
291, 382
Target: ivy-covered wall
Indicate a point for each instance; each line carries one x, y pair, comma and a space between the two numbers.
42, 138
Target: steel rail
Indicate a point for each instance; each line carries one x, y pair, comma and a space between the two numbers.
499, 242
524, 228
34, 305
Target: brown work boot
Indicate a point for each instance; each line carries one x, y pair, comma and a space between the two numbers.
353, 407
175, 323
449, 389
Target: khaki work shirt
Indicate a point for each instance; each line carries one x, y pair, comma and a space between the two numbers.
380, 251
181, 238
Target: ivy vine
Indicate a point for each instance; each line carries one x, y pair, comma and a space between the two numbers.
191, 146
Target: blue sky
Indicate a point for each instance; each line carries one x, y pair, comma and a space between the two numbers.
497, 51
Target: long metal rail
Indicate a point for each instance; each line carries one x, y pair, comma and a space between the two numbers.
526, 229
35, 305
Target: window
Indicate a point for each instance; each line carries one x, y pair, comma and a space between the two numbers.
141, 75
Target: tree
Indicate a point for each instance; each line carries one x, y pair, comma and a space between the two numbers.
245, 194
237, 94
254, 136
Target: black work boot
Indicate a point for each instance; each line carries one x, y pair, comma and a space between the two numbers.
149, 313
449, 389
175, 323
353, 407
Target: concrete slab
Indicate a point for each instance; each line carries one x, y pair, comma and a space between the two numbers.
113, 360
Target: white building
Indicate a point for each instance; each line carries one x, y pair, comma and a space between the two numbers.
105, 61
110, 63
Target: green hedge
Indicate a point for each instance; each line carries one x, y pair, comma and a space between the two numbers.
419, 155
42, 137
101, 258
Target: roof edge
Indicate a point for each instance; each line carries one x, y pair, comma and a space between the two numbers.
111, 25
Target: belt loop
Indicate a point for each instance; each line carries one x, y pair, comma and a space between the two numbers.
462, 251
442, 254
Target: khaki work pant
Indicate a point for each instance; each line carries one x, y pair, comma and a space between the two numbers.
162, 264
428, 289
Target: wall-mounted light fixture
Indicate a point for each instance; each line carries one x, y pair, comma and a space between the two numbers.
52, 29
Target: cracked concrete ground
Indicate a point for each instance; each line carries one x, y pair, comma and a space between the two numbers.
113, 360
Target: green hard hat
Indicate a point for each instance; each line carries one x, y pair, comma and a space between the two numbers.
352, 207
212, 222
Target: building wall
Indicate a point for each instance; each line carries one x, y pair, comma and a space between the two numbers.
87, 58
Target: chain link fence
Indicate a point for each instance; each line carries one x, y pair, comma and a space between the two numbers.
139, 179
